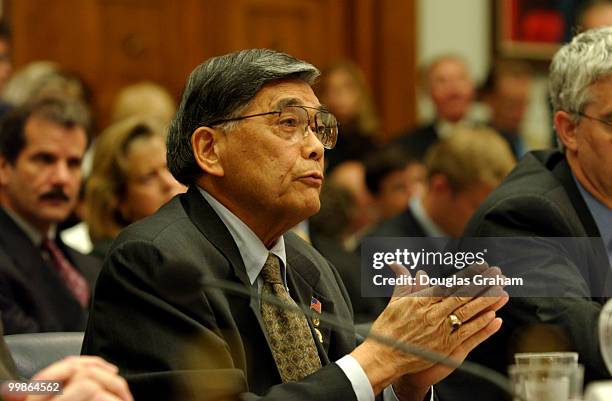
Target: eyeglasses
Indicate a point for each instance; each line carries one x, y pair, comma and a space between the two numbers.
293, 121
606, 122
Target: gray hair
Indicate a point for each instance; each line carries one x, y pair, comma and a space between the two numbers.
220, 88
578, 65
575, 67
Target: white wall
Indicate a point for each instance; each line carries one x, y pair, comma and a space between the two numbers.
455, 26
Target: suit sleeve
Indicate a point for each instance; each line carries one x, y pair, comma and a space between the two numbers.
573, 318
166, 339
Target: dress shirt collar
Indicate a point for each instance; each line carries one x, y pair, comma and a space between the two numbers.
601, 214
445, 128
33, 234
253, 252
428, 225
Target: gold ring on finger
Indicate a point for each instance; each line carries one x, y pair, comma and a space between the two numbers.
454, 321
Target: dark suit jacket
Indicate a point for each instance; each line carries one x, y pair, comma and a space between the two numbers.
416, 142
402, 225
540, 199
348, 264
175, 339
33, 298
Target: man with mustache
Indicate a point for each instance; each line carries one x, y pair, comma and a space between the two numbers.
44, 284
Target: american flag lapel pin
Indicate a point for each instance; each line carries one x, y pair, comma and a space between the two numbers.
317, 307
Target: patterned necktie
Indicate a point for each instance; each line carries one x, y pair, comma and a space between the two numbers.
290, 337
68, 273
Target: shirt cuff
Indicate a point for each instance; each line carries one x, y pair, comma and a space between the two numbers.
359, 380
389, 394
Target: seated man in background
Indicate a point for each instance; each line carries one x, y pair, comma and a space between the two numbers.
248, 139
448, 82
328, 231
350, 175
44, 285
594, 14
462, 170
561, 193
506, 92
393, 178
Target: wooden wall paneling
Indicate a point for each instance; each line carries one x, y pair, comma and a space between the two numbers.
310, 29
133, 47
37, 22
362, 44
384, 46
62, 32
396, 65
112, 43
200, 34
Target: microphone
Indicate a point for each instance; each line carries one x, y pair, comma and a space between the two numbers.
184, 284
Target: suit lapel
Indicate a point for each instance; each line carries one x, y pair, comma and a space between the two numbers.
563, 173
19, 248
302, 275
303, 278
27, 255
599, 256
209, 223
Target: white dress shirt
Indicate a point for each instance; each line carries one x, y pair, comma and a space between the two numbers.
421, 216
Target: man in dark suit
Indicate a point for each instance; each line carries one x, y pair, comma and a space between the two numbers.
448, 82
393, 177
462, 170
506, 92
561, 193
248, 139
44, 285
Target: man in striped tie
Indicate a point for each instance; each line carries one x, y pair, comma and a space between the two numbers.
44, 284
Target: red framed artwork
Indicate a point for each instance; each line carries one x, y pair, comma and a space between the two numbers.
530, 29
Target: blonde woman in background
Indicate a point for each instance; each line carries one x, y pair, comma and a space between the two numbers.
144, 99
129, 179
342, 88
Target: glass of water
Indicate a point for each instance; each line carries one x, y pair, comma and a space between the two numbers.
547, 382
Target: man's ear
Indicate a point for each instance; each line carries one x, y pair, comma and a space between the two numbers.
207, 144
4, 166
566, 129
439, 184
